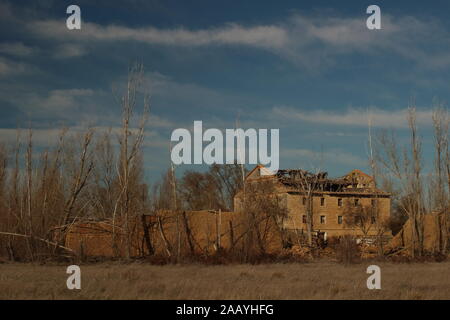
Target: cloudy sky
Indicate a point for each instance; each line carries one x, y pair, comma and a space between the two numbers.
309, 68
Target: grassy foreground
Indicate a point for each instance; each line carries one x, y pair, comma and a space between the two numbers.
317, 280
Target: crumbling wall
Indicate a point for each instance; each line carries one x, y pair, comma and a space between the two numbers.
403, 239
95, 238
170, 234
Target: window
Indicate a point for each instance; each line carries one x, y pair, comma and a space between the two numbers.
304, 219
339, 219
304, 201
373, 220
356, 202
322, 219
374, 202
339, 202
357, 220
322, 202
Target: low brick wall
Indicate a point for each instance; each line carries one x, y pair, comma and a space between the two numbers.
190, 232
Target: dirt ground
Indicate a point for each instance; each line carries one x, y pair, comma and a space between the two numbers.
316, 280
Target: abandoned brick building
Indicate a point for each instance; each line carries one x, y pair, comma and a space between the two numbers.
334, 203
339, 206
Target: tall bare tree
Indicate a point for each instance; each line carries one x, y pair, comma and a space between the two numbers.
441, 179
405, 166
229, 180
130, 147
308, 185
262, 218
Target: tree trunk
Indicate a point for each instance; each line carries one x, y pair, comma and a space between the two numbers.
147, 238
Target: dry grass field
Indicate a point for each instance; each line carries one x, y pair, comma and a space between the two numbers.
317, 280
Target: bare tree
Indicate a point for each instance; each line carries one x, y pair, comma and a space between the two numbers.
199, 191
439, 185
309, 184
163, 195
381, 225
130, 146
106, 189
262, 218
359, 216
77, 164
229, 180
42, 197
405, 166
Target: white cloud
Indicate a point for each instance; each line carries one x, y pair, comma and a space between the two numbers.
11, 68
311, 159
68, 105
317, 41
258, 36
155, 121
312, 41
49, 136
62, 100
16, 49
79, 106
69, 50
353, 117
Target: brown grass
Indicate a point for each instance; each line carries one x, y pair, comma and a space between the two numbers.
317, 280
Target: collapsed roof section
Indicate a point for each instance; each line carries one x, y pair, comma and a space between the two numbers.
303, 179
355, 181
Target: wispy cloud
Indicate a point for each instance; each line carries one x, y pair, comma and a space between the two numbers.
258, 36
12, 68
77, 106
308, 159
16, 49
69, 50
308, 40
60, 101
353, 117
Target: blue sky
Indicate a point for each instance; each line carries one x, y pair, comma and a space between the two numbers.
310, 68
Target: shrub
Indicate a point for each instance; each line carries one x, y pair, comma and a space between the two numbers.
347, 250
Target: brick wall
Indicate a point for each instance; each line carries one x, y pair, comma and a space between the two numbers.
331, 208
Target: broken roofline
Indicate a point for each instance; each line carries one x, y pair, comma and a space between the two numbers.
296, 179
345, 193
319, 176
301, 176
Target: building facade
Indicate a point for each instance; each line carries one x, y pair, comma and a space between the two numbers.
349, 205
